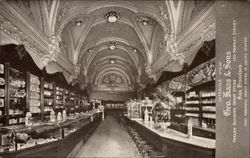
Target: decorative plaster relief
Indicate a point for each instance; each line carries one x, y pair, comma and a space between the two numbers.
14, 32
207, 34
62, 12
164, 15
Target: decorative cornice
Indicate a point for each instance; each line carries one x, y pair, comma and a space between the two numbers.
203, 30
59, 66
14, 32
207, 34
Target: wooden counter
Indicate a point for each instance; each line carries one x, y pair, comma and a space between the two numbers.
174, 143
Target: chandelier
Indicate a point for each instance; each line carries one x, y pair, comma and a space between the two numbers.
112, 16
112, 61
112, 46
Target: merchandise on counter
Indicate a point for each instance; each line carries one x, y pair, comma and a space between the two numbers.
28, 119
59, 117
52, 116
64, 115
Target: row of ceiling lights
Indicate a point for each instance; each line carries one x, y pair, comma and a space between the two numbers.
112, 46
113, 16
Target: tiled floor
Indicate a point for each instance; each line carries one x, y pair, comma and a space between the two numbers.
110, 140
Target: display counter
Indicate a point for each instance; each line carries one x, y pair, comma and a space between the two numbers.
48, 139
174, 143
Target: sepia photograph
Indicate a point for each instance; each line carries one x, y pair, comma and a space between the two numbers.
124, 78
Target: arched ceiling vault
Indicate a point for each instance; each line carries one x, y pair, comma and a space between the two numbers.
135, 42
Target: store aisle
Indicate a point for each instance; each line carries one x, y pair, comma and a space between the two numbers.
109, 140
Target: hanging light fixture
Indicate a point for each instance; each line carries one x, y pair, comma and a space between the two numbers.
112, 61
112, 46
78, 22
112, 16
135, 50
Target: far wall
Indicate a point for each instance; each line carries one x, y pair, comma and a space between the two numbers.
114, 96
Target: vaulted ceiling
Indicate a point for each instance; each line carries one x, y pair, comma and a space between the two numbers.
88, 43
86, 35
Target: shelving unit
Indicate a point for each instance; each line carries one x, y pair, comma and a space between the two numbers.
178, 114
77, 103
200, 105
67, 100
72, 102
58, 99
14, 96
33, 99
48, 91
2, 93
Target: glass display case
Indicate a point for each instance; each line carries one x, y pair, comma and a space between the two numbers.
45, 138
14, 138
